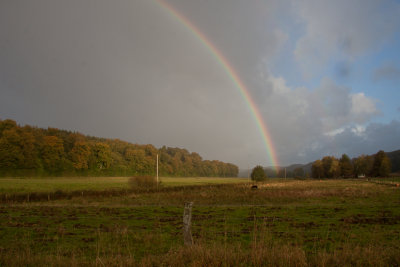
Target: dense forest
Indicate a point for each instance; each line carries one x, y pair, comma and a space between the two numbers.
381, 164
32, 151
378, 165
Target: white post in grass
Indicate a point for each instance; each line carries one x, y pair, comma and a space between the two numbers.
187, 224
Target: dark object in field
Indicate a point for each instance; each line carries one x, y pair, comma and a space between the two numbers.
254, 187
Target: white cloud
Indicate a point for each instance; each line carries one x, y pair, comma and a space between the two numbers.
362, 108
335, 132
302, 121
358, 130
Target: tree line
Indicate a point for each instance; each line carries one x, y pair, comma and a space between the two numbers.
377, 165
33, 151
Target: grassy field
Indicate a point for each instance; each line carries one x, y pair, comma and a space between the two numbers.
283, 223
29, 185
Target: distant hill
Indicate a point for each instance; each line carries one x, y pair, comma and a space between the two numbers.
306, 167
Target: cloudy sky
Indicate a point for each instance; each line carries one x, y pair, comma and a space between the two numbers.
325, 75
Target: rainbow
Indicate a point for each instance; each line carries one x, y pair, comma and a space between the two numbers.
233, 76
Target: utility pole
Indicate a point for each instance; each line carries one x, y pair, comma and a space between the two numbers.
157, 170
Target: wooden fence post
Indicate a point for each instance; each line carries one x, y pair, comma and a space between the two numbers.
187, 224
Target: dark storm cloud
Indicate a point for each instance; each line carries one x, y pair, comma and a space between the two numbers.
124, 70
355, 141
375, 137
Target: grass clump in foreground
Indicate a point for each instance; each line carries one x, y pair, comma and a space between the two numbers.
285, 223
144, 183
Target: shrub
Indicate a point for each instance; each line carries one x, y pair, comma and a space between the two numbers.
143, 182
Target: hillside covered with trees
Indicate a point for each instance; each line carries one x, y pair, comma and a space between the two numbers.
32, 151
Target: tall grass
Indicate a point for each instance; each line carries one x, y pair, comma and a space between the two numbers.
261, 252
144, 183
284, 223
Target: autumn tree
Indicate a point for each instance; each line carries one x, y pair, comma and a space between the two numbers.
258, 174
80, 154
317, 169
233, 170
381, 165
100, 157
362, 165
385, 167
52, 153
331, 167
165, 167
187, 163
7, 125
11, 154
136, 160
346, 168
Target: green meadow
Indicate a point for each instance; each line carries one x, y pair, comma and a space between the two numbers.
282, 223
29, 185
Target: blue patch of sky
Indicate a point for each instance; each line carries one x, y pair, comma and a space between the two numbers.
386, 91
356, 74
284, 64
